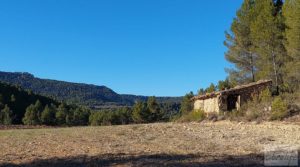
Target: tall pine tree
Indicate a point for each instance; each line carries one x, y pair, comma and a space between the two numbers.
239, 44
291, 12
267, 33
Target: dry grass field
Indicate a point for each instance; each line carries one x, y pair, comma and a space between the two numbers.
162, 144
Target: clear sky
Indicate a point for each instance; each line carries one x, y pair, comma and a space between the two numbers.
144, 47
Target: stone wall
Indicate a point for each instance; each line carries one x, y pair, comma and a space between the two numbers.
208, 105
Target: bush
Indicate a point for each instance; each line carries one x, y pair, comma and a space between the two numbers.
196, 115
279, 109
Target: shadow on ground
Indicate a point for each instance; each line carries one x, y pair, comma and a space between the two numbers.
147, 160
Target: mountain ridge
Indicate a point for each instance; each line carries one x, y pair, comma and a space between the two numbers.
81, 93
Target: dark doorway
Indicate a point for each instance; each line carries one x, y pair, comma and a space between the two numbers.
231, 102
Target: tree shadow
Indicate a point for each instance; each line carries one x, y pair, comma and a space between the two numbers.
146, 160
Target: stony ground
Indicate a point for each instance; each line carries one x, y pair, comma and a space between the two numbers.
162, 144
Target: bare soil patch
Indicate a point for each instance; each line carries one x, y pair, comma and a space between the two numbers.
162, 144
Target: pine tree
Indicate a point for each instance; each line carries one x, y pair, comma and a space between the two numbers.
222, 85
140, 112
211, 88
201, 91
186, 104
80, 116
6, 116
33, 114
291, 12
267, 35
239, 44
154, 109
61, 114
48, 115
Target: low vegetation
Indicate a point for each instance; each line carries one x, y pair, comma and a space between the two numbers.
195, 115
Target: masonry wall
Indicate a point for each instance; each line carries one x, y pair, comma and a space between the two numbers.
208, 105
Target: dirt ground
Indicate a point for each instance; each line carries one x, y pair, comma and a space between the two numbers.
162, 144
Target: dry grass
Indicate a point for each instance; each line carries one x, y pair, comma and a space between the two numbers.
171, 144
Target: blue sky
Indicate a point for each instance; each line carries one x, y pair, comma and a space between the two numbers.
144, 47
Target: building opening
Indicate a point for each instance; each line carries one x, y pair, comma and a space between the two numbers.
232, 102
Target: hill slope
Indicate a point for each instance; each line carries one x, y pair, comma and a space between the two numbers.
85, 94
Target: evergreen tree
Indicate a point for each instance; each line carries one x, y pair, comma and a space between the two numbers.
61, 114
201, 91
186, 104
33, 114
211, 88
222, 85
240, 45
291, 12
267, 35
140, 112
6, 116
154, 110
48, 115
77, 116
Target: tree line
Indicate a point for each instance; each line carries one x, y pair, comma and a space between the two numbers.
64, 115
18, 106
142, 112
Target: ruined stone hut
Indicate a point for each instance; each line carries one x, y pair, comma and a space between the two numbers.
230, 99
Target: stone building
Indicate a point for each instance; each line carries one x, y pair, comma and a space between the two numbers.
230, 99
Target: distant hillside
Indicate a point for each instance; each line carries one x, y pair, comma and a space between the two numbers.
18, 100
84, 94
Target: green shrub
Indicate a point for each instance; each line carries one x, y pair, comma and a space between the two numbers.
196, 115
279, 109
265, 96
